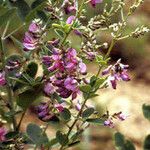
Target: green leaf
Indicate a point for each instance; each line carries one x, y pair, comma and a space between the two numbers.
66, 28
7, 15
92, 95
129, 145
39, 12
36, 135
62, 138
57, 97
95, 121
59, 33
76, 135
121, 143
119, 139
32, 69
36, 3
93, 80
27, 77
147, 143
22, 8
65, 114
20, 46
85, 88
42, 15
52, 142
37, 7
146, 111
26, 98
99, 82
88, 112
11, 135
100, 60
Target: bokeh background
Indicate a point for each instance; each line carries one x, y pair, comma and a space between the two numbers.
128, 97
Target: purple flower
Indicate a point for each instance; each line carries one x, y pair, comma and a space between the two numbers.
77, 32
2, 79
34, 27
78, 105
44, 112
3, 132
109, 123
116, 73
107, 70
54, 42
94, 2
121, 116
57, 63
49, 88
29, 42
113, 81
124, 76
70, 19
18, 74
82, 68
71, 84
12, 65
32, 37
59, 107
68, 7
47, 60
71, 60
90, 55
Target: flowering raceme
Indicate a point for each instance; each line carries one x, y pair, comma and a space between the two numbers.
116, 73
46, 111
32, 37
69, 66
110, 123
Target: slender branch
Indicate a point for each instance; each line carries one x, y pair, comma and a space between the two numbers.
21, 119
13, 32
77, 16
110, 48
9, 91
124, 37
6, 28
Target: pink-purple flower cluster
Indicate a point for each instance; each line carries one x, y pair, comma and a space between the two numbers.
3, 132
13, 65
66, 79
109, 122
32, 37
45, 111
116, 73
69, 7
2, 78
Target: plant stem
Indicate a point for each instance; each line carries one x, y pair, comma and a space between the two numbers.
46, 127
9, 91
110, 48
77, 16
83, 105
13, 31
21, 119
5, 30
75, 121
